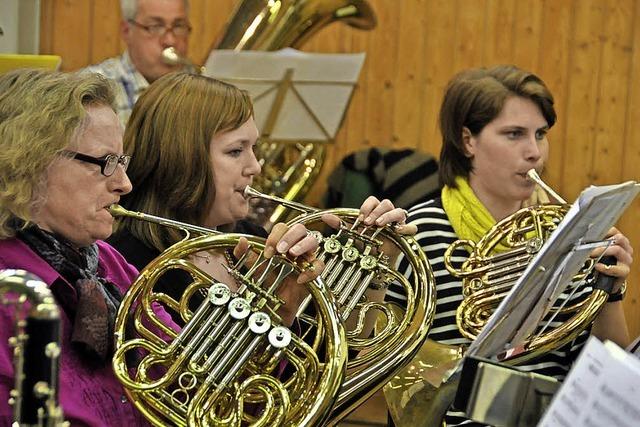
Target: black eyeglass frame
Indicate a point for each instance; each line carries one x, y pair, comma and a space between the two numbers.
165, 28
103, 161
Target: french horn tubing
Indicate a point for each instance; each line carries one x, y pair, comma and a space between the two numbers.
233, 362
357, 271
36, 349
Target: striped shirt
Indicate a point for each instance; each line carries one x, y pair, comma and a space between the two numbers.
435, 234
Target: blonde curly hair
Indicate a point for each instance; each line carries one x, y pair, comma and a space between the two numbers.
41, 113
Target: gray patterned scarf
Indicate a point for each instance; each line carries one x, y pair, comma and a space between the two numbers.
93, 313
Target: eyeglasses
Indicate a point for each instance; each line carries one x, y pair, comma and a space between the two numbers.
181, 29
108, 163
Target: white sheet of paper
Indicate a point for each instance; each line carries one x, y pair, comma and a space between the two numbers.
602, 389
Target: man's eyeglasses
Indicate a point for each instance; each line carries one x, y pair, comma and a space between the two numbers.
181, 29
108, 163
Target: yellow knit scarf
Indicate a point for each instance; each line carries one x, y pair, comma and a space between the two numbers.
468, 216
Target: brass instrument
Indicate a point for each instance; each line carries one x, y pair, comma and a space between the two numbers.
232, 362
288, 170
487, 277
36, 349
358, 271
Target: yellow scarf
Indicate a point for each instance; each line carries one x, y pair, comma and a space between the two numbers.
468, 216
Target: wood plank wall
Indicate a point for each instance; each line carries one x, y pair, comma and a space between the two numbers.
587, 51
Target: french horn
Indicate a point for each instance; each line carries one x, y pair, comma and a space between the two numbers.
288, 169
36, 349
488, 275
422, 393
357, 271
231, 361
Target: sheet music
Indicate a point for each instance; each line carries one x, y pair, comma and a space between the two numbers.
602, 389
562, 255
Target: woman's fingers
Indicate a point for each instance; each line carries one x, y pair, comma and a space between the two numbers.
621, 249
308, 245
331, 220
294, 241
407, 229
397, 215
273, 240
368, 206
241, 248
382, 208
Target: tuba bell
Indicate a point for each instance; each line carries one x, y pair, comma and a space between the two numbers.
288, 170
357, 271
225, 358
36, 349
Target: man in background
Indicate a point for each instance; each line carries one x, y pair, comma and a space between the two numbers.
147, 28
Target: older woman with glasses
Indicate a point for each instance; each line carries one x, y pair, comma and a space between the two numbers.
61, 167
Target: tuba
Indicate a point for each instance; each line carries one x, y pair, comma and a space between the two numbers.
288, 170
488, 274
36, 348
226, 358
358, 269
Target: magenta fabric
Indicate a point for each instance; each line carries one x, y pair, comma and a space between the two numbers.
89, 396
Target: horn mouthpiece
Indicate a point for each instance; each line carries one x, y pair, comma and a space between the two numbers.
116, 210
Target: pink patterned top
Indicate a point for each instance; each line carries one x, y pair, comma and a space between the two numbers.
89, 396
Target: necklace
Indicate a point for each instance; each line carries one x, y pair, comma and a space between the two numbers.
229, 257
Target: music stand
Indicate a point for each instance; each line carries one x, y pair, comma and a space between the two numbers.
563, 254
297, 97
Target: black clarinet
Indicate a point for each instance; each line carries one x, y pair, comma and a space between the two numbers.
36, 349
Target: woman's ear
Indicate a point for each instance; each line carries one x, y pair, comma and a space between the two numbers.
467, 142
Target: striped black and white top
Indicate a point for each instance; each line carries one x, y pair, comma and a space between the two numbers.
434, 235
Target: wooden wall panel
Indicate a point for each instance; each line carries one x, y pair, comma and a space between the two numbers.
554, 69
587, 51
104, 18
497, 48
612, 94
